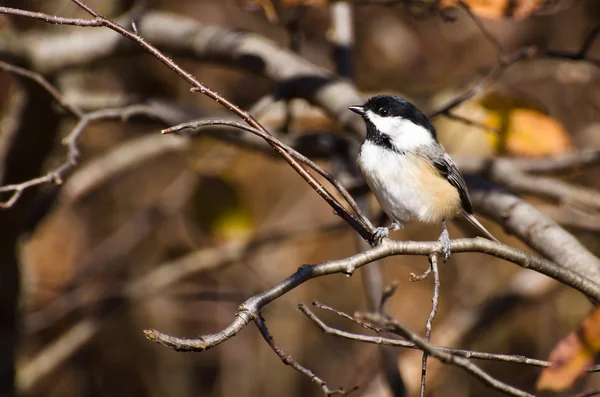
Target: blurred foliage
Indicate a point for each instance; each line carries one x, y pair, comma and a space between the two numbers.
573, 355
76, 258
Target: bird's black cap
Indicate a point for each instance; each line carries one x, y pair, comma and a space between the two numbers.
395, 106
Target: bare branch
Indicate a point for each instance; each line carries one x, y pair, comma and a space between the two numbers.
347, 316
56, 353
378, 340
289, 360
51, 18
453, 116
484, 31
534, 228
362, 219
251, 307
42, 82
433, 264
507, 60
57, 174
449, 358
561, 163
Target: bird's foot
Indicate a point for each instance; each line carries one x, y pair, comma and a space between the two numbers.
383, 232
395, 226
380, 234
445, 240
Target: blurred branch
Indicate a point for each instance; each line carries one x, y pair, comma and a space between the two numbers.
145, 287
534, 228
251, 307
199, 87
342, 37
10, 122
55, 353
70, 141
42, 82
289, 360
465, 120
507, 60
560, 163
299, 78
191, 39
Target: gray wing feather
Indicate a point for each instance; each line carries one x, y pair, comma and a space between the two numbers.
446, 166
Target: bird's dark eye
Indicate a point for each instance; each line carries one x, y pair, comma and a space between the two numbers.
384, 112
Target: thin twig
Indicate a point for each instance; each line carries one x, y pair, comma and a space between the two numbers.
197, 86
448, 358
56, 175
45, 84
52, 18
347, 316
378, 340
507, 60
289, 360
433, 264
484, 31
292, 152
387, 293
473, 123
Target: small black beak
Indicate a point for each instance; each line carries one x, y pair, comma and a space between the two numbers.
357, 109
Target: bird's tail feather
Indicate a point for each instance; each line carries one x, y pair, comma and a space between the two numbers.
471, 218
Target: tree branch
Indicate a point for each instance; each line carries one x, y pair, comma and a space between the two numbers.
289, 360
251, 307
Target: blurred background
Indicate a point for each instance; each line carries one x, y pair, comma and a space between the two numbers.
149, 233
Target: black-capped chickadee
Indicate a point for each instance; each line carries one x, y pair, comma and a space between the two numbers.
409, 171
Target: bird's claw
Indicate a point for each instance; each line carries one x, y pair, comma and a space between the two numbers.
395, 226
380, 234
445, 241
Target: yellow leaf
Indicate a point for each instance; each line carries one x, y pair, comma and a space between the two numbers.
518, 9
573, 355
220, 210
525, 129
532, 133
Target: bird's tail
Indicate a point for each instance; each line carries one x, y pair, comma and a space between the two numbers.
471, 218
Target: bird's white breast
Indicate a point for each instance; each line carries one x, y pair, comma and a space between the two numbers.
398, 183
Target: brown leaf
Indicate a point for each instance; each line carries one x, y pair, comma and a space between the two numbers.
518, 9
573, 355
532, 133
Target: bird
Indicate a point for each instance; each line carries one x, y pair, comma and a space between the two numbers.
409, 171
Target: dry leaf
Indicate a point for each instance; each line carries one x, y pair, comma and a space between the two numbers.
573, 355
530, 132
518, 9
525, 129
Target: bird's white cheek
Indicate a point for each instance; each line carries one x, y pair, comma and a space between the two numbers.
404, 134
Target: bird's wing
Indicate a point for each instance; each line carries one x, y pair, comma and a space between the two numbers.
447, 168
